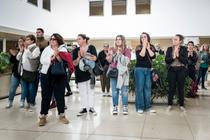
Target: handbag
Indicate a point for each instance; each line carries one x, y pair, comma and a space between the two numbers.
98, 69
58, 68
29, 76
113, 73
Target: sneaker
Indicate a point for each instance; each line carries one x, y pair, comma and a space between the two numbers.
169, 108
31, 108
140, 111
109, 95
125, 110
152, 111
82, 112
9, 105
63, 119
42, 121
204, 88
69, 93
53, 105
21, 104
115, 110
92, 110
182, 108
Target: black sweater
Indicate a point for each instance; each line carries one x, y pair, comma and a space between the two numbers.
102, 58
15, 63
182, 55
82, 76
192, 59
144, 62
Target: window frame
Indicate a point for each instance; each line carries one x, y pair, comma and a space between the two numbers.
126, 2
28, 1
49, 10
150, 10
89, 4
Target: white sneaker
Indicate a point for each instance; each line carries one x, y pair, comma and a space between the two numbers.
31, 108
125, 110
21, 104
140, 111
115, 110
9, 105
152, 111
182, 108
169, 108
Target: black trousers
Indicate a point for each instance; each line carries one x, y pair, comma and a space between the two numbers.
176, 78
52, 85
192, 72
68, 77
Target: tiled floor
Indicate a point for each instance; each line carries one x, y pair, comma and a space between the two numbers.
19, 124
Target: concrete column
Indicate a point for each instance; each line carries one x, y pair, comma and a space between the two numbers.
4, 44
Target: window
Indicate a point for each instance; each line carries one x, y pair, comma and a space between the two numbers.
142, 6
96, 8
118, 7
47, 5
34, 2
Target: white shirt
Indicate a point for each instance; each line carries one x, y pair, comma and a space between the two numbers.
27, 54
46, 57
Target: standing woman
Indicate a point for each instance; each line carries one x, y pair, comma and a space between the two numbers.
204, 64
83, 78
53, 84
119, 58
192, 59
29, 62
15, 78
176, 59
145, 52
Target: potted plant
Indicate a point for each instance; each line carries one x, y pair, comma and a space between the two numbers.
4, 62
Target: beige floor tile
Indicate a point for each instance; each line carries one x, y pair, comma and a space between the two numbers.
102, 137
18, 135
167, 131
62, 136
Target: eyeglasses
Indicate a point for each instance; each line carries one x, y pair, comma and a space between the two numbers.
52, 39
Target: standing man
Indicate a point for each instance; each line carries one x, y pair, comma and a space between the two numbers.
42, 44
105, 81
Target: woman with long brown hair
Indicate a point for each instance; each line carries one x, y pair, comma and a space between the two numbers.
145, 52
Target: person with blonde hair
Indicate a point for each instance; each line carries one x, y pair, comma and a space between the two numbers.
119, 58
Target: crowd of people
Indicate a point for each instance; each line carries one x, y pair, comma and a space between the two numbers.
50, 64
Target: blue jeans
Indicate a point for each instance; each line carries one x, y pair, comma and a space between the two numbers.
28, 92
143, 88
116, 91
13, 87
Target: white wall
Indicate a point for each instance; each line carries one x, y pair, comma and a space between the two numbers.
168, 17
19, 14
70, 17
